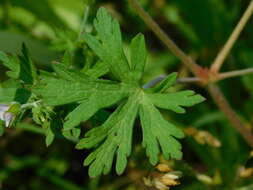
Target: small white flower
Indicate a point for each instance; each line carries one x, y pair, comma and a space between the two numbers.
5, 115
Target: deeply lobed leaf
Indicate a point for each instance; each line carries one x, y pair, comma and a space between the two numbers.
116, 133
114, 136
157, 131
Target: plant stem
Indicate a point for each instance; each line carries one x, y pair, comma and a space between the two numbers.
220, 76
188, 80
38, 130
219, 60
32, 104
179, 80
188, 61
236, 73
31, 128
223, 104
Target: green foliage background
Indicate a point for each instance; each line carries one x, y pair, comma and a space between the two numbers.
200, 27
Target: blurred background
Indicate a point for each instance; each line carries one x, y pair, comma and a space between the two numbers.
215, 155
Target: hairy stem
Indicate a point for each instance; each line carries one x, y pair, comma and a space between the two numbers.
188, 61
219, 60
31, 128
188, 80
38, 130
223, 104
236, 73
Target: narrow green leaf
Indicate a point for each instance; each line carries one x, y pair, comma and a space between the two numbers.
165, 83
27, 69
138, 56
52, 129
49, 136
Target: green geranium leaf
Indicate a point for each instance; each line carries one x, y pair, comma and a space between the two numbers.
114, 136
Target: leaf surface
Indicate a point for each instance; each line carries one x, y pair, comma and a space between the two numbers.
114, 136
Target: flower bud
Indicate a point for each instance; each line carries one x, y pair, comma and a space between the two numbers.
163, 168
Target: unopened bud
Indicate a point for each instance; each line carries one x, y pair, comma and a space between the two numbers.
245, 172
163, 168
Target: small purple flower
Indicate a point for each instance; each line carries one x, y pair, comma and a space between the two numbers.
5, 115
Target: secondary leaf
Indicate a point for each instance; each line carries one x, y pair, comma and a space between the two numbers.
49, 135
